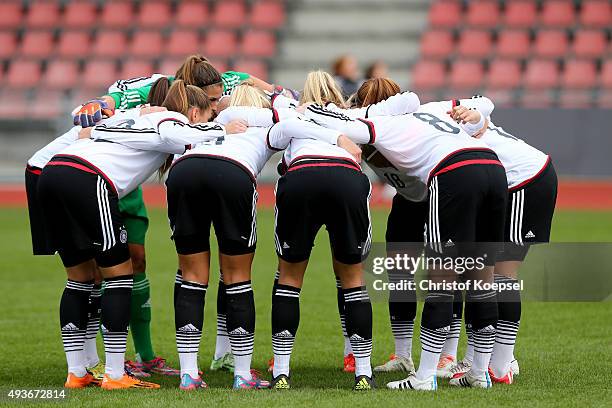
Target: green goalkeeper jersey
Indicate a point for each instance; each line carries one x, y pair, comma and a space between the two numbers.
130, 93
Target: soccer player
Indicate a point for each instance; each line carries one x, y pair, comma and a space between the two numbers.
215, 183
79, 189
532, 192
467, 203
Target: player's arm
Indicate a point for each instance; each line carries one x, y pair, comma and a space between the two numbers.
470, 119
256, 117
398, 104
482, 103
359, 131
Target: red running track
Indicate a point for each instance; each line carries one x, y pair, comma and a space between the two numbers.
573, 195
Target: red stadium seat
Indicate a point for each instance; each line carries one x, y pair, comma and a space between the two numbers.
220, 64
168, 66
483, 13
466, 74
61, 74
99, 73
79, 14
537, 99
520, 13
575, 99
117, 14
606, 74
182, 43
503, 97
74, 44
191, 14
504, 74
558, 13
513, 43
254, 67
11, 14
220, 43
8, 44
596, 13
445, 13
579, 74
475, 43
154, 14
23, 74
257, 43
43, 14
436, 44
268, 14
146, 44
47, 104
551, 43
541, 74
13, 104
109, 44
230, 13
428, 75
589, 43
136, 68
37, 43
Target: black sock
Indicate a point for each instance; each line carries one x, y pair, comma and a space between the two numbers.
402, 311
116, 302
73, 323
188, 322
221, 308
93, 325
285, 322
341, 307
178, 280
241, 325
483, 323
358, 311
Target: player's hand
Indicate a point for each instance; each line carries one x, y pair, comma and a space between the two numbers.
482, 131
288, 92
85, 133
236, 126
463, 115
91, 113
151, 109
350, 146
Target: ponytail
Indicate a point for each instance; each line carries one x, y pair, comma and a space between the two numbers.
158, 92
375, 90
321, 88
198, 71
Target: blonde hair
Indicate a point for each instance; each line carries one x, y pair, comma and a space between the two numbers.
248, 95
321, 88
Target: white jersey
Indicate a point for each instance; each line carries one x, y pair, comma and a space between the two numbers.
42, 157
414, 144
128, 153
399, 104
521, 161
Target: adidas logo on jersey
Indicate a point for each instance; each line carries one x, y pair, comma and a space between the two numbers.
284, 333
146, 304
70, 327
239, 330
530, 234
449, 243
356, 337
188, 328
285, 245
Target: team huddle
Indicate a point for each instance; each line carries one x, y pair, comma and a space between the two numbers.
464, 187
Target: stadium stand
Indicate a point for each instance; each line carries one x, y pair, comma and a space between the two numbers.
532, 53
60, 44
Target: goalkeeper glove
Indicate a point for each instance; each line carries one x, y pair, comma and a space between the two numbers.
91, 112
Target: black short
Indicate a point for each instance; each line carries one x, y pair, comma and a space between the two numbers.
406, 222
467, 205
205, 190
335, 196
40, 245
81, 214
529, 214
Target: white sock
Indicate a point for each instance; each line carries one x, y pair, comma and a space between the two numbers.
403, 347
483, 347
91, 352
189, 364
222, 346
281, 364
363, 366
402, 335
452, 340
115, 365
503, 350
242, 366
428, 365
347, 346
432, 341
76, 363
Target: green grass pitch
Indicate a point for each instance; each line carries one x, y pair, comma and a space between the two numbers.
563, 348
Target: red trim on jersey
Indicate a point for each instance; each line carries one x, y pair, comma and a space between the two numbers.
531, 179
275, 118
92, 167
324, 164
33, 170
466, 163
456, 102
371, 129
167, 120
314, 156
448, 156
71, 164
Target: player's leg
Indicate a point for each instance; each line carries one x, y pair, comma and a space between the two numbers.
223, 358
448, 357
94, 364
349, 357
